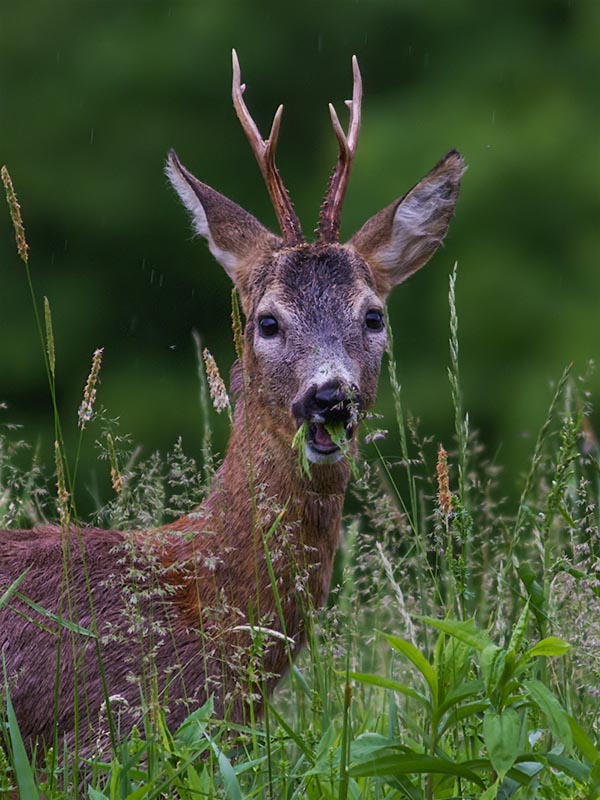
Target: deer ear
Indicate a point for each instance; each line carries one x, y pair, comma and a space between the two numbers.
402, 237
233, 234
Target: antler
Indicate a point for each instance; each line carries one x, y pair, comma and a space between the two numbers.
329, 219
264, 150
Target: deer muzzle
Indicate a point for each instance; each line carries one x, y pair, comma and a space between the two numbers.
331, 412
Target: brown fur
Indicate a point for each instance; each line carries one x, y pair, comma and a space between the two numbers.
168, 610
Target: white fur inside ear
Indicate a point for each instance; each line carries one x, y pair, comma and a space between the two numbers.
191, 201
188, 197
418, 227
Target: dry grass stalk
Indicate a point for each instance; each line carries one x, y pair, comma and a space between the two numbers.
15, 215
444, 494
86, 409
218, 392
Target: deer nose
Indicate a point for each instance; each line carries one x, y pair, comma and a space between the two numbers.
331, 402
328, 396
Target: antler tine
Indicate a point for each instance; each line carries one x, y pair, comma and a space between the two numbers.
329, 221
264, 151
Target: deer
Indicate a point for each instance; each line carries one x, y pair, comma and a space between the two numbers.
173, 614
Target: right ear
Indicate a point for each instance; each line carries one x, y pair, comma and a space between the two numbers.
402, 237
233, 235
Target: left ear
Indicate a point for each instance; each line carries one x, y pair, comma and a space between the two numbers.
402, 237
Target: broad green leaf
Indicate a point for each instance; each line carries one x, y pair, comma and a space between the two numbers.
574, 769
464, 691
463, 631
417, 658
501, 737
191, 732
583, 742
557, 717
94, 794
493, 663
367, 744
409, 763
463, 711
231, 785
389, 683
550, 646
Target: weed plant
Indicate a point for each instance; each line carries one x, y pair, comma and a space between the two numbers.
459, 653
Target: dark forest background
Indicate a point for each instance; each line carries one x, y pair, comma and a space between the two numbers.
93, 94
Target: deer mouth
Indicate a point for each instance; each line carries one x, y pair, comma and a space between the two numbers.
327, 443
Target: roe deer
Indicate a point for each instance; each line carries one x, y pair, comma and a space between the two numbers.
196, 591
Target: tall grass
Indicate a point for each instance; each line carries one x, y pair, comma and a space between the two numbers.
459, 653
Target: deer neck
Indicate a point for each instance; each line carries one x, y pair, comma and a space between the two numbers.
262, 501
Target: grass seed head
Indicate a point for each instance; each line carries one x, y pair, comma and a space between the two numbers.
15, 215
86, 409
218, 392
444, 494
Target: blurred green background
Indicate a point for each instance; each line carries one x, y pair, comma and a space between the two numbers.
94, 93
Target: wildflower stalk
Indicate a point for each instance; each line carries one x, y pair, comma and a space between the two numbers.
47, 344
462, 569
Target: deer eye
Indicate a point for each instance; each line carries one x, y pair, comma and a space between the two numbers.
374, 320
268, 326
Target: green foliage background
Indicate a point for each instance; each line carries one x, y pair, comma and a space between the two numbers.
94, 93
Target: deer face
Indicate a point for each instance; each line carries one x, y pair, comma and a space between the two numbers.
316, 336
315, 331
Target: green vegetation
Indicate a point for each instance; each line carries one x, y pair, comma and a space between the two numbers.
458, 655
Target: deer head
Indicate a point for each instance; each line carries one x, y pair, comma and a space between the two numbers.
315, 330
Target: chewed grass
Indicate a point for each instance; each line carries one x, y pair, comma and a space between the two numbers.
337, 432
299, 444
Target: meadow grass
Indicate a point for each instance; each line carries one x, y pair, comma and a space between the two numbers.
459, 652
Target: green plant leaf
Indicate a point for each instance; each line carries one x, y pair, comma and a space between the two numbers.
493, 665
64, 623
367, 744
583, 742
232, 787
463, 711
519, 631
550, 646
13, 588
574, 769
464, 631
492, 791
389, 683
94, 794
535, 590
417, 658
557, 717
501, 737
407, 763
191, 732
23, 770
